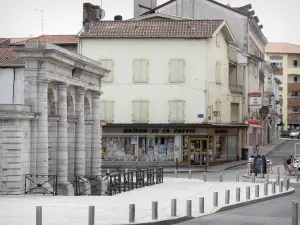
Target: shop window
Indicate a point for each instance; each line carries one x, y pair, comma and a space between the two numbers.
108, 64
119, 148
176, 111
250, 139
140, 111
107, 111
218, 72
234, 112
156, 148
221, 148
177, 70
140, 71
232, 148
185, 148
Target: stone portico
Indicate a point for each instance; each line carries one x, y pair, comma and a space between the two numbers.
57, 131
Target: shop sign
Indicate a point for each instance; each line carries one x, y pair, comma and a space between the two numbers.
159, 131
254, 122
255, 100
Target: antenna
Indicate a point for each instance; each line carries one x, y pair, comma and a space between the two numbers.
42, 19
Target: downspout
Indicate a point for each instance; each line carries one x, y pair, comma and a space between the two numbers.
14, 80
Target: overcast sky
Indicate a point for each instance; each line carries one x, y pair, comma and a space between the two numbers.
18, 18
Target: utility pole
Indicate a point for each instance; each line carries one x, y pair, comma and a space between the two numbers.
42, 19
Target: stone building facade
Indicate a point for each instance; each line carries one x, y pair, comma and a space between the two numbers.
57, 130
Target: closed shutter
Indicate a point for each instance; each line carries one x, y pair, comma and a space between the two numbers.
176, 111
144, 112
140, 112
177, 70
234, 112
180, 111
136, 111
107, 111
172, 112
108, 64
140, 70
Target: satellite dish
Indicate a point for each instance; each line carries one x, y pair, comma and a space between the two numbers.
102, 14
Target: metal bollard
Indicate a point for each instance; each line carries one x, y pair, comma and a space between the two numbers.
188, 207
277, 180
154, 210
295, 213
204, 177
131, 213
237, 178
248, 169
267, 178
247, 192
173, 207
201, 204
281, 186
227, 196
238, 194
253, 177
297, 176
256, 191
265, 189
91, 215
215, 199
220, 177
278, 173
126, 170
288, 183
273, 187
190, 174
108, 171
39, 215
175, 173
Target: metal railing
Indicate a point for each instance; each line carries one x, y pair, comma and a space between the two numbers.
36, 184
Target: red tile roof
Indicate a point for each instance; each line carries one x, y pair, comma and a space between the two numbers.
3, 39
9, 57
154, 29
53, 39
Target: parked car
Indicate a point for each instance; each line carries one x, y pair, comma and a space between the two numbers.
295, 134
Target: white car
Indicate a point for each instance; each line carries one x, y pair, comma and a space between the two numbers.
294, 134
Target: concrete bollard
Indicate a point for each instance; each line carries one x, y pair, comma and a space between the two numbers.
91, 215
267, 178
154, 210
238, 194
273, 187
227, 196
237, 177
201, 204
278, 176
131, 213
277, 180
253, 177
204, 177
190, 174
220, 177
288, 183
39, 215
215, 199
295, 213
247, 192
126, 170
188, 207
265, 189
175, 173
248, 169
256, 191
281, 186
108, 171
173, 207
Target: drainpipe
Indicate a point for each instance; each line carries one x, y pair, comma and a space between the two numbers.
14, 80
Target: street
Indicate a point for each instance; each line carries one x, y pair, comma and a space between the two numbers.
276, 211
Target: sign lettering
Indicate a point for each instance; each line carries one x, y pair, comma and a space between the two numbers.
157, 131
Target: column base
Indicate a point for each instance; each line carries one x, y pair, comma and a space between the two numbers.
83, 187
65, 189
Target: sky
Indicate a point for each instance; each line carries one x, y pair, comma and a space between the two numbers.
22, 18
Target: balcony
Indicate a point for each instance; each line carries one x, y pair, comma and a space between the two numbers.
293, 101
294, 118
294, 86
292, 70
236, 88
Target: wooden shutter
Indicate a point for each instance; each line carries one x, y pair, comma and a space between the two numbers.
234, 112
177, 70
140, 70
108, 64
144, 112
176, 111
180, 111
109, 111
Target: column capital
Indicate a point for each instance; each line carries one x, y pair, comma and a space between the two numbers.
79, 89
61, 85
96, 94
43, 81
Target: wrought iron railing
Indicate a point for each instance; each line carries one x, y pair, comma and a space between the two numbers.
128, 181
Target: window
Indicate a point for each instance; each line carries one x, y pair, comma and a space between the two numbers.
177, 70
295, 63
108, 64
140, 111
176, 111
295, 79
140, 71
218, 40
234, 112
107, 111
296, 109
218, 72
294, 93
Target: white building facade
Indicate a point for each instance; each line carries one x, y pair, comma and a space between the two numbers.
156, 98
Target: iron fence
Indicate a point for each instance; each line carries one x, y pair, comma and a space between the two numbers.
40, 184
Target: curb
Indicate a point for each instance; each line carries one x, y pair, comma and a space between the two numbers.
267, 198
222, 209
278, 146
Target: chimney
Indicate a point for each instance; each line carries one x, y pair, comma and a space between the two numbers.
91, 13
97, 13
118, 17
146, 6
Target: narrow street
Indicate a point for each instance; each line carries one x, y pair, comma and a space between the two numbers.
276, 211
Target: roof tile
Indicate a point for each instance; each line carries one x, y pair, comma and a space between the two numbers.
9, 56
154, 29
281, 47
54, 39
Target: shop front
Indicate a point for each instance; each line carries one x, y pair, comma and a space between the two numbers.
150, 145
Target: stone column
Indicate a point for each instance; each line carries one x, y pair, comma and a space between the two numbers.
96, 135
64, 187
79, 132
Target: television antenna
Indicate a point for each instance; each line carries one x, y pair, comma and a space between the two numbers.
42, 18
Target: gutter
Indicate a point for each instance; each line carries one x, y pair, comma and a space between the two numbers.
12, 65
14, 80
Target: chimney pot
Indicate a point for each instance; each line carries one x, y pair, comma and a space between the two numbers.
118, 17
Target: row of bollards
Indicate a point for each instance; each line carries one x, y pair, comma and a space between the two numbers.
204, 178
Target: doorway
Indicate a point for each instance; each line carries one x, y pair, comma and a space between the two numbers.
198, 151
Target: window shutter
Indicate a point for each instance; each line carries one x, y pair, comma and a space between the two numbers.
177, 71
136, 111
180, 111
176, 111
108, 64
144, 112
140, 70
